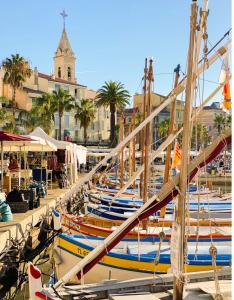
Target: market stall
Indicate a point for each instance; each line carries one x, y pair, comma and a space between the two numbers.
68, 156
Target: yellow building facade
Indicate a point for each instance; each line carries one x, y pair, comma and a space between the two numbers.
156, 100
63, 77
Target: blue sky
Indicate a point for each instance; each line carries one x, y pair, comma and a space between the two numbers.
110, 38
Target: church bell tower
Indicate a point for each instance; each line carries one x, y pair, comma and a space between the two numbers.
64, 59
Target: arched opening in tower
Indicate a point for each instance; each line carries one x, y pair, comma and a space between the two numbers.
59, 72
69, 73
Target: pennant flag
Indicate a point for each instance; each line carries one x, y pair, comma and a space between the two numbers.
177, 156
224, 79
227, 96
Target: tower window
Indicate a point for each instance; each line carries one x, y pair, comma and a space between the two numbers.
59, 72
69, 73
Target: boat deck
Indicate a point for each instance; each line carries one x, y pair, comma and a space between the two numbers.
201, 285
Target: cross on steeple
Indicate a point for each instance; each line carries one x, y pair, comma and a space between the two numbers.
64, 15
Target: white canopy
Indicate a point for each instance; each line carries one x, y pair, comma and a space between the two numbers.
36, 145
40, 144
76, 152
38, 132
15, 146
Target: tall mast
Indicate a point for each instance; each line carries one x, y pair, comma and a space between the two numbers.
170, 131
180, 208
133, 148
148, 133
130, 150
121, 166
143, 129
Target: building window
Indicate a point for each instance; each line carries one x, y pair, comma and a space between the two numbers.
59, 72
66, 88
56, 120
66, 121
56, 87
34, 101
76, 93
69, 73
56, 133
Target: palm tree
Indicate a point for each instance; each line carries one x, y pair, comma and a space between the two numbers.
12, 128
200, 136
163, 128
219, 122
85, 113
42, 114
16, 71
5, 117
63, 102
47, 107
229, 121
113, 95
29, 119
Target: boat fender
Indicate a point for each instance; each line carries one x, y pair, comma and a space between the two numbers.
57, 220
56, 256
8, 278
28, 248
69, 207
34, 278
44, 230
5, 212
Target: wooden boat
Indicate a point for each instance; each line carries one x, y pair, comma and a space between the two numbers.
113, 213
159, 222
130, 192
77, 225
130, 262
210, 203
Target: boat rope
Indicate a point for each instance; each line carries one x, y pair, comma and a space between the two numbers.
216, 44
198, 217
157, 257
213, 253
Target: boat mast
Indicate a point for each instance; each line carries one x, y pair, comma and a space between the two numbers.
170, 131
143, 129
121, 166
147, 138
133, 148
180, 209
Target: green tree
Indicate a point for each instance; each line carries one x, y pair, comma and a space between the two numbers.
47, 105
33, 119
113, 95
12, 128
229, 121
219, 122
16, 71
85, 113
29, 119
163, 128
200, 136
62, 102
5, 117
